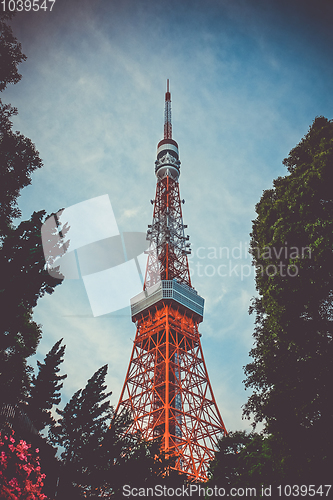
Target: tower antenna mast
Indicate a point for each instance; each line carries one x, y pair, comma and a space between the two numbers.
167, 114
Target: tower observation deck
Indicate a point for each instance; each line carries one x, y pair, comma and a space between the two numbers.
167, 388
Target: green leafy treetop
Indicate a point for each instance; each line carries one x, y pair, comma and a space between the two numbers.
247, 460
292, 370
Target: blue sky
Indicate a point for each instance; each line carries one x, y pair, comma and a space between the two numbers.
247, 79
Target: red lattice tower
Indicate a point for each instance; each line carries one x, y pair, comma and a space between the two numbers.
167, 388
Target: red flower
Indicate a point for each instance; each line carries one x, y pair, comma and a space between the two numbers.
17, 458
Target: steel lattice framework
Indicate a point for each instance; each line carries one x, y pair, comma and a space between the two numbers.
167, 388
167, 258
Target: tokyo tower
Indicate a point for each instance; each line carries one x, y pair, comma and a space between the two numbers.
167, 388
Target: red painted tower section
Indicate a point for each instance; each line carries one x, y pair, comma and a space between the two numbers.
167, 388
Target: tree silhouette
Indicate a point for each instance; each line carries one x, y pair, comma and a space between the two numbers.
24, 278
80, 431
45, 388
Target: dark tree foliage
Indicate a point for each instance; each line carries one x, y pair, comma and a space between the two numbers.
80, 430
45, 388
10, 53
226, 469
23, 277
247, 461
18, 159
292, 369
135, 462
23, 281
18, 156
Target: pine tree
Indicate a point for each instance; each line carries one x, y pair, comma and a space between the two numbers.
80, 430
44, 391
